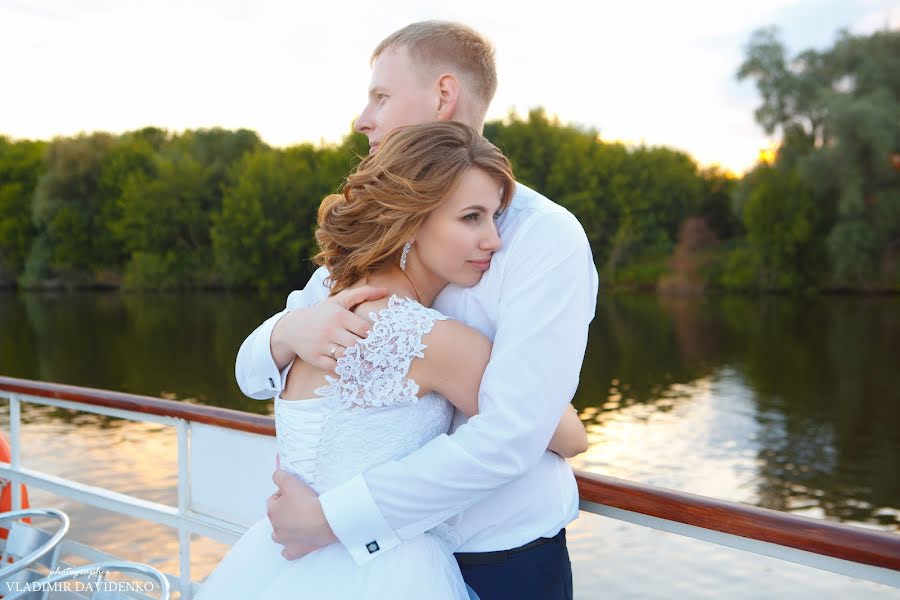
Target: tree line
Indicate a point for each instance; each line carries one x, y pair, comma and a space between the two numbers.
215, 208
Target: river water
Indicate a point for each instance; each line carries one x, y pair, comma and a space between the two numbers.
787, 403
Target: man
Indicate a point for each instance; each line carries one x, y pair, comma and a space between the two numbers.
505, 497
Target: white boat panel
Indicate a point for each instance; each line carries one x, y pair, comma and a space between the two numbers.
230, 473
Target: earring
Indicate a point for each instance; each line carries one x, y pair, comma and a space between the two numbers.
404, 254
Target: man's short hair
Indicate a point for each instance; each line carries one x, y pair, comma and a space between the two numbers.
436, 44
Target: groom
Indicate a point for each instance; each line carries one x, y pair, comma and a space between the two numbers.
506, 498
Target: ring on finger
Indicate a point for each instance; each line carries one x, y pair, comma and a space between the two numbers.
333, 350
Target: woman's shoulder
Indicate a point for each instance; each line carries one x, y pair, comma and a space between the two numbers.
445, 337
452, 363
452, 343
400, 311
368, 308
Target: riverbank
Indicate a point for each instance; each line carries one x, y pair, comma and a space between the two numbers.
654, 274
706, 272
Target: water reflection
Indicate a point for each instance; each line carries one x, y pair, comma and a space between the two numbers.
800, 398
178, 346
822, 374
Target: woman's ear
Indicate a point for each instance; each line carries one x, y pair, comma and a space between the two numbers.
448, 97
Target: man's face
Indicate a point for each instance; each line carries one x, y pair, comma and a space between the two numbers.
398, 96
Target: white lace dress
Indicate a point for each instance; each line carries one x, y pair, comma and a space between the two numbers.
369, 415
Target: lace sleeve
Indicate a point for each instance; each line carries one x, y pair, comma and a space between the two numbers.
372, 373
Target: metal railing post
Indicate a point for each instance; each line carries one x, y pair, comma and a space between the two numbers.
15, 442
184, 504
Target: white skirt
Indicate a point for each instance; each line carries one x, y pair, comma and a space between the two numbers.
422, 567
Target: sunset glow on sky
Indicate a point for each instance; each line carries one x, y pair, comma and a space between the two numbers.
646, 71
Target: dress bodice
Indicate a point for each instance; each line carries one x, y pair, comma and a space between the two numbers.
370, 413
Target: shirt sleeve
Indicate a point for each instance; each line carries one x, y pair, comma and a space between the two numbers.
255, 369
548, 297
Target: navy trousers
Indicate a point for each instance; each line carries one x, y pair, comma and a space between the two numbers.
537, 572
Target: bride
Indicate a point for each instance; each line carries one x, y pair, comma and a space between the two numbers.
417, 215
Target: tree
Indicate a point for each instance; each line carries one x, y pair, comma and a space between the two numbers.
21, 164
779, 217
839, 118
163, 224
70, 211
263, 236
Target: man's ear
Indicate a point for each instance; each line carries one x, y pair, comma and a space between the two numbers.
448, 97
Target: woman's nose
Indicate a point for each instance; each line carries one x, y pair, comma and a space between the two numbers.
492, 240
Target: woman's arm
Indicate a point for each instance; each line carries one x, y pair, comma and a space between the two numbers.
570, 437
454, 363
455, 359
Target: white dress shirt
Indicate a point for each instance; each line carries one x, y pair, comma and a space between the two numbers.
494, 471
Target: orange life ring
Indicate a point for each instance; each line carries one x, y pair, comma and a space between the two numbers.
6, 493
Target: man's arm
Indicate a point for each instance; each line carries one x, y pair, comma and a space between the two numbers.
301, 330
548, 298
257, 373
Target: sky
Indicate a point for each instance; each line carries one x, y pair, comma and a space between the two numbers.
643, 71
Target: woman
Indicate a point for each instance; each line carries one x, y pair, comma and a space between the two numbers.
413, 217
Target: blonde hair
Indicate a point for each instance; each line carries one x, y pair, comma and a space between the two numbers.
435, 44
390, 193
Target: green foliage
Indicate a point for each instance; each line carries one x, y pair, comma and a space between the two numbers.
213, 207
779, 217
70, 209
167, 204
21, 164
851, 245
210, 208
567, 164
630, 201
839, 118
162, 219
716, 203
741, 269
263, 236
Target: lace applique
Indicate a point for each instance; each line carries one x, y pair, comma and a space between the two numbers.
373, 372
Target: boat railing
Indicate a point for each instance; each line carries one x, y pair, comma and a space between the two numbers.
205, 436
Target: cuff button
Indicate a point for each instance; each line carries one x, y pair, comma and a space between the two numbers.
372, 547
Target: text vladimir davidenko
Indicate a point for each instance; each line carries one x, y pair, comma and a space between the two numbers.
81, 586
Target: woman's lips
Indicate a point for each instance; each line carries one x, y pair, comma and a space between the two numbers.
481, 264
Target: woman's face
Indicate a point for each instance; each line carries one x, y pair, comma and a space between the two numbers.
456, 241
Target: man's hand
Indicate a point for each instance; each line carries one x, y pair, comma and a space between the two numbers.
320, 334
298, 522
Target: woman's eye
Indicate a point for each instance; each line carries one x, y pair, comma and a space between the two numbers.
471, 217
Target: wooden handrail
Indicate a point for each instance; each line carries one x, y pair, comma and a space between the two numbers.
855, 544
211, 415
847, 542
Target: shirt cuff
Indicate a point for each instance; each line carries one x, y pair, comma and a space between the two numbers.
356, 521
267, 376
